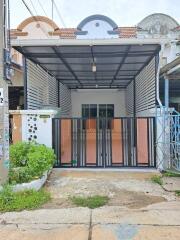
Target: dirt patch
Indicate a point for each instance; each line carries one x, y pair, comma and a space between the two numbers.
129, 199
134, 200
133, 191
58, 203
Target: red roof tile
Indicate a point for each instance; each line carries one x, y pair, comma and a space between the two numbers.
69, 33
127, 32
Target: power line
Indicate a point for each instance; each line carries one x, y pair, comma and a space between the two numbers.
34, 7
42, 8
52, 9
25, 4
35, 18
59, 14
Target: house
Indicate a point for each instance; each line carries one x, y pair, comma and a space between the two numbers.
156, 26
105, 80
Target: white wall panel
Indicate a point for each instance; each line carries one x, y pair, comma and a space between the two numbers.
130, 98
145, 90
65, 100
42, 89
99, 96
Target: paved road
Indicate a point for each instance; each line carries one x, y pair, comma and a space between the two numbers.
159, 221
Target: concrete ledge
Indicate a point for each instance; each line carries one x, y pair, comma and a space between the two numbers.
39, 112
33, 185
120, 169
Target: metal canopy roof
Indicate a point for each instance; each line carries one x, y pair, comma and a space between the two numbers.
116, 64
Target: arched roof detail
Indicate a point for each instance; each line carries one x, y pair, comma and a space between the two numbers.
97, 17
29, 20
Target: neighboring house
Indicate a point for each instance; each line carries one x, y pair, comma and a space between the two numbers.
16, 88
105, 79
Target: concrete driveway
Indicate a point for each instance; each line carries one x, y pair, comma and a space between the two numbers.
155, 215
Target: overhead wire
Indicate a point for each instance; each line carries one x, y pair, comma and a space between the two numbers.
35, 18
59, 14
40, 4
33, 7
25, 4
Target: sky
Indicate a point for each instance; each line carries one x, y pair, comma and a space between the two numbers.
123, 12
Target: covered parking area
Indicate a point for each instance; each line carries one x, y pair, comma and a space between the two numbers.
91, 64
84, 77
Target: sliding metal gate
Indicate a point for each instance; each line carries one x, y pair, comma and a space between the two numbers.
117, 142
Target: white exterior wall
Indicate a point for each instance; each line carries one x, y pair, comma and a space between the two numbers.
38, 32
98, 96
169, 52
97, 32
37, 125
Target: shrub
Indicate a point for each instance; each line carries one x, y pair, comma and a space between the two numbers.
29, 161
20, 175
18, 154
16, 201
40, 159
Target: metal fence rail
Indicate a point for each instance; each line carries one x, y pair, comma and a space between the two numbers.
175, 141
168, 139
102, 142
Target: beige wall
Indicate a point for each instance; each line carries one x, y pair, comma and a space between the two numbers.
17, 79
16, 57
96, 96
16, 122
38, 30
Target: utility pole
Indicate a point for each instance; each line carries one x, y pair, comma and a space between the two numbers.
52, 9
4, 115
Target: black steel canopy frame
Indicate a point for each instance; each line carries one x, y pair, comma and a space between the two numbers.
116, 65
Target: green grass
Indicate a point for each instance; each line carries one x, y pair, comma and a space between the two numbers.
177, 193
17, 201
90, 202
157, 179
171, 174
